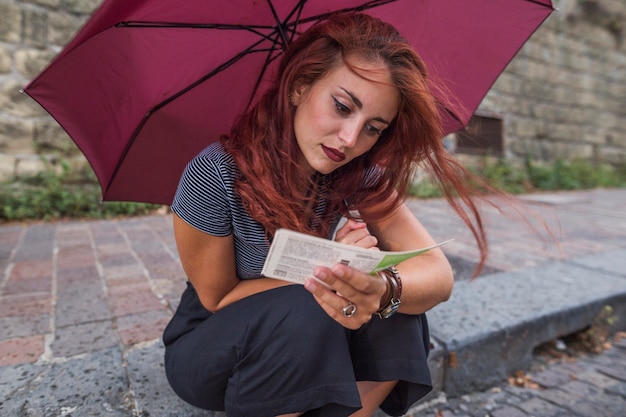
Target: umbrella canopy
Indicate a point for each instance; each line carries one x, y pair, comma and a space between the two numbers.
146, 84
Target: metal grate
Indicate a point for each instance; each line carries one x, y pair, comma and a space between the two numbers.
482, 136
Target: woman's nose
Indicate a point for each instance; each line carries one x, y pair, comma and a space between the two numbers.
349, 134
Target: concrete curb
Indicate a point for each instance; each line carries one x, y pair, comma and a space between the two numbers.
500, 318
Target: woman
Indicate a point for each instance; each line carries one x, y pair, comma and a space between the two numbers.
350, 113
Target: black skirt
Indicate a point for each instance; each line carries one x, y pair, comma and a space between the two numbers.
278, 352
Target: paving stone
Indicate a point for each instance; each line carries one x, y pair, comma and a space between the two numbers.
516, 395
442, 413
28, 286
14, 378
83, 338
68, 277
551, 378
573, 368
118, 259
576, 405
170, 271
142, 327
34, 249
135, 297
617, 389
25, 306
611, 358
147, 245
84, 306
93, 385
124, 271
595, 378
74, 257
12, 234
14, 327
21, 350
4, 265
615, 371
119, 246
39, 268
153, 394
124, 279
540, 407
508, 412
170, 288
610, 404
580, 389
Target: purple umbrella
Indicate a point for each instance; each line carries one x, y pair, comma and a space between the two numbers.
146, 84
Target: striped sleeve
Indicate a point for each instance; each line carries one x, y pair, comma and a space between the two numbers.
202, 198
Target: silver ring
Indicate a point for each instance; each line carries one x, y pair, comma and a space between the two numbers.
349, 310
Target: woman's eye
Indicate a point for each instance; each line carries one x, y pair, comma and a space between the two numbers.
373, 131
340, 107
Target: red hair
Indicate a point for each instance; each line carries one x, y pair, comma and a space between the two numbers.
272, 185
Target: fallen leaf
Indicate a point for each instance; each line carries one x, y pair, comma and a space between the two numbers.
520, 379
452, 360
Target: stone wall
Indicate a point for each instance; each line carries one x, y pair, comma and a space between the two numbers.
32, 32
563, 96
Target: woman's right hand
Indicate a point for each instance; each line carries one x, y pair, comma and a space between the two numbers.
344, 288
345, 285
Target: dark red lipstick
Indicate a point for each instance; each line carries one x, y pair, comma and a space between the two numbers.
334, 154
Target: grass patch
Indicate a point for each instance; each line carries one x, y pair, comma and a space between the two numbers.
577, 174
61, 192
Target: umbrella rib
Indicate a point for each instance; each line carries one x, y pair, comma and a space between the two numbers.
280, 28
217, 70
257, 29
297, 20
451, 113
549, 6
269, 58
365, 6
218, 26
297, 10
173, 97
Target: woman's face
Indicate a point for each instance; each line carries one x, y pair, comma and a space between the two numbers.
342, 115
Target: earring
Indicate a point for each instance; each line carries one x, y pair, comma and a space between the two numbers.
290, 99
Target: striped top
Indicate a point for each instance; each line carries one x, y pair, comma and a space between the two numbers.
206, 199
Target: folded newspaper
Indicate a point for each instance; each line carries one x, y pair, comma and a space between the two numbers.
293, 256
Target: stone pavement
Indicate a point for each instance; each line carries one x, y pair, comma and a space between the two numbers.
83, 305
588, 385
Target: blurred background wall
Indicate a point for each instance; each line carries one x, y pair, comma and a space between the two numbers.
562, 97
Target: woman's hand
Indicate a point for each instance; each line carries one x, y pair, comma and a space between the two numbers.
355, 233
342, 287
339, 287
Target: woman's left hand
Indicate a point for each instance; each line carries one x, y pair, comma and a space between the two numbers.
349, 296
355, 233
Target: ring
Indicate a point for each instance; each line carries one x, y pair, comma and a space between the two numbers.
349, 310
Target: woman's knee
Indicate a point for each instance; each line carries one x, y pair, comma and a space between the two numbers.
198, 379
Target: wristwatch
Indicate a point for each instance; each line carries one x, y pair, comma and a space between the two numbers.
391, 306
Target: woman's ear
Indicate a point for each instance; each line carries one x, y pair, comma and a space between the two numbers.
296, 95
